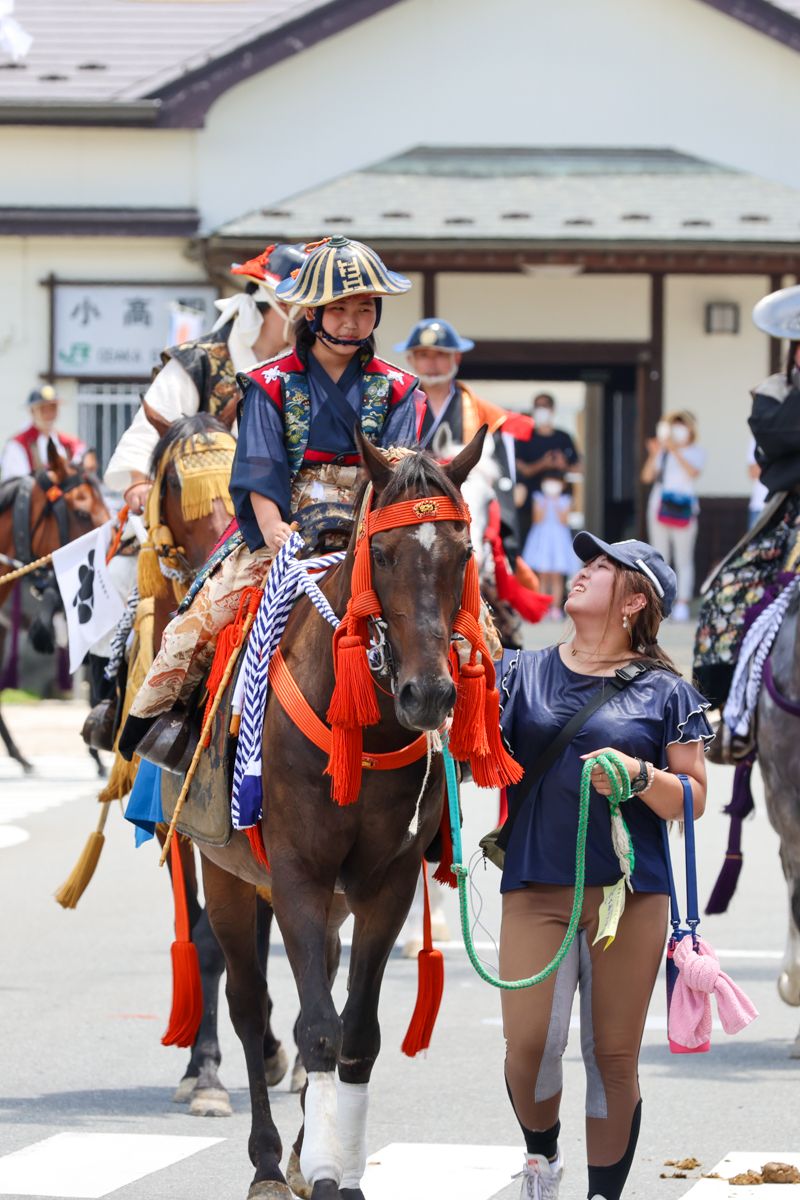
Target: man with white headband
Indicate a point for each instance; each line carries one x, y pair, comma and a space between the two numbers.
200, 376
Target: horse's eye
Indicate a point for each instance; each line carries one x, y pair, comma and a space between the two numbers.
379, 558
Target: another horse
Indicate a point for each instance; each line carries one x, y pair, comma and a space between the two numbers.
38, 514
778, 741
194, 540
363, 857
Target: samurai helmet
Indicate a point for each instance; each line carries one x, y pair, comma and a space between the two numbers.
434, 333
270, 267
337, 267
778, 314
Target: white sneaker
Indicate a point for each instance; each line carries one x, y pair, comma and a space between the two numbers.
541, 1178
680, 611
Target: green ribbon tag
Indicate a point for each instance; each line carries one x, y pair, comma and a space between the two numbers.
612, 907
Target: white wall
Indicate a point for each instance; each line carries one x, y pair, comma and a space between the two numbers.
670, 73
93, 168
24, 314
712, 374
535, 308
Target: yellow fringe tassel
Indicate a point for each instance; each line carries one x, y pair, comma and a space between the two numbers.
199, 491
71, 891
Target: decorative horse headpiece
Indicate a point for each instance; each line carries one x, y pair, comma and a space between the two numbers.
475, 733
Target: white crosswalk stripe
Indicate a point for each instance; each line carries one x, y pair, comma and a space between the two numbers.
469, 1172
90, 1165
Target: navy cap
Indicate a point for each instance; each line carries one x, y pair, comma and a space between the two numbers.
435, 334
46, 394
638, 556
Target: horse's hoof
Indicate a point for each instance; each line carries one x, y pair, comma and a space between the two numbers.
795, 1050
269, 1189
299, 1078
211, 1102
351, 1194
27, 767
295, 1178
789, 988
276, 1066
183, 1091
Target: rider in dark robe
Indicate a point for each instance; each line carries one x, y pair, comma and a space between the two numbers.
766, 558
296, 447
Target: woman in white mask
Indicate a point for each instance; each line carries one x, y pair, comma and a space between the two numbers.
674, 463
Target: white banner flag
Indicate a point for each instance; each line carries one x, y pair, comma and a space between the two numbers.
92, 604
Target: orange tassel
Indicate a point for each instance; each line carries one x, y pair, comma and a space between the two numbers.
344, 764
353, 703
468, 734
255, 836
443, 874
187, 989
496, 768
430, 984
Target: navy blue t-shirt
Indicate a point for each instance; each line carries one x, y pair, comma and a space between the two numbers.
539, 694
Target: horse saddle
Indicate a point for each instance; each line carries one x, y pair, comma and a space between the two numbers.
206, 814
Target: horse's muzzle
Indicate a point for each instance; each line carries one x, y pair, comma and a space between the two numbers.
425, 701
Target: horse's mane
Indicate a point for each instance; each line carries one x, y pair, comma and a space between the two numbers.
8, 490
192, 430
418, 474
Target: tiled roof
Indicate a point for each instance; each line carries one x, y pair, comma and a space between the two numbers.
113, 51
568, 195
778, 19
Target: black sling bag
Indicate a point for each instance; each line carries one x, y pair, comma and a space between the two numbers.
495, 844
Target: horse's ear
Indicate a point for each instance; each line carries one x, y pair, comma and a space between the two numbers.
374, 462
458, 470
443, 444
159, 423
56, 463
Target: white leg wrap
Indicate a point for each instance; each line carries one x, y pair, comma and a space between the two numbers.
321, 1156
353, 1102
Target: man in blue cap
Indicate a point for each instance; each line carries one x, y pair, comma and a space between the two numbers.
27, 451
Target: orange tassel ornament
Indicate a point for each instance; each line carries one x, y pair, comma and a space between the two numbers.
430, 984
187, 990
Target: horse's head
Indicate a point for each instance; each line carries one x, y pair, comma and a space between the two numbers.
418, 575
191, 465
80, 491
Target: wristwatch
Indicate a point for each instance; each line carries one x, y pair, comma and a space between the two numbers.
640, 782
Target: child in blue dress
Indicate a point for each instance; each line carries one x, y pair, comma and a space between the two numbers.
548, 546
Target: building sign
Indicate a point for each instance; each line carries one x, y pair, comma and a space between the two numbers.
118, 330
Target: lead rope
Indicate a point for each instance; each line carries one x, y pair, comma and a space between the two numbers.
620, 791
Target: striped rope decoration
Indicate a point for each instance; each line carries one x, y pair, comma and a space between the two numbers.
746, 685
287, 579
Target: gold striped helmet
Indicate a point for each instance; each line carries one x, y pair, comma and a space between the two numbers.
338, 267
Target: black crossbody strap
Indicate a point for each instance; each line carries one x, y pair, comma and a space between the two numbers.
612, 686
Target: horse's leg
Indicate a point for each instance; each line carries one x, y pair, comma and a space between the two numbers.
378, 921
304, 906
231, 905
276, 1063
208, 1097
98, 762
11, 747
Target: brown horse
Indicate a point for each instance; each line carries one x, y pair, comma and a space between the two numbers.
363, 857
194, 541
38, 514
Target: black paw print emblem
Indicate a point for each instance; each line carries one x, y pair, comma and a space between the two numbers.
84, 597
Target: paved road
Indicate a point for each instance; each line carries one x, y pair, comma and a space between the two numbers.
85, 997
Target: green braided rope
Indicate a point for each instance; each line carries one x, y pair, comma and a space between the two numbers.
620, 791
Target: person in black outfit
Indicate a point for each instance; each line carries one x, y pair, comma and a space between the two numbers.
548, 450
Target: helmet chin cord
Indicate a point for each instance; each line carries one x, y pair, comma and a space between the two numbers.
322, 333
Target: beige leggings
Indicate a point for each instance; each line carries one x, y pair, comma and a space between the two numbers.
615, 989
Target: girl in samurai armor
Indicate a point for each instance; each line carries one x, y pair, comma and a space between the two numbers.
768, 556
296, 447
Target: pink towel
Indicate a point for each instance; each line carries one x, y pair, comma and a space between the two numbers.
699, 974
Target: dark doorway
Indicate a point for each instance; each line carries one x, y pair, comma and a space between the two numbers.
611, 438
